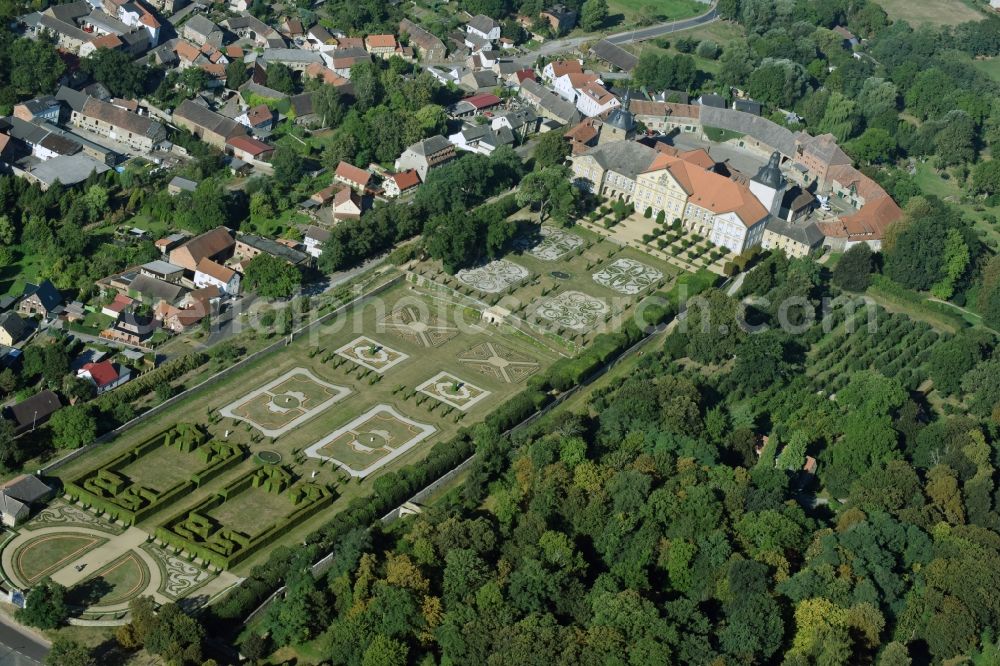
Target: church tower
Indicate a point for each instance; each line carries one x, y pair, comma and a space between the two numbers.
769, 185
620, 125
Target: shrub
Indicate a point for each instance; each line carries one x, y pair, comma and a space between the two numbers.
661, 217
649, 212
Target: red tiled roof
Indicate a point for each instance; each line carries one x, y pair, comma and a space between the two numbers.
406, 179
120, 303
103, 373
248, 144
483, 100
186, 50
525, 74
380, 41
560, 67
353, 174
259, 114
109, 41
215, 270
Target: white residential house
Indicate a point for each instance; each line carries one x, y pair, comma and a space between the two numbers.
211, 274
483, 27
594, 99
314, 239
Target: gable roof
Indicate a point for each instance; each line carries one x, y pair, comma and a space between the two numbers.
380, 41
208, 244
562, 67
156, 289
260, 114
103, 373
628, 158
353, 174
205, 118
614, 55
35, 409
16, 327
406, 179
25, 488
430, 145
131, 122
483, 100
215, 270
482, 23
46, 293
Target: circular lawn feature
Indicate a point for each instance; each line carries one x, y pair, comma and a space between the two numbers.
268, 457
286, 401
372, 440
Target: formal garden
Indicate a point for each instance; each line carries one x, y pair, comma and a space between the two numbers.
560, 285
263, 456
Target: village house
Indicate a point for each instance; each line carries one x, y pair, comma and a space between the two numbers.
593, 99
560, 18
352, 176
131, 329
13, 329
425, 155
483, 27
209, 273
249, 149
46, 107
314, 238
34, 411
427, 46
347, 204
558, 68
398, 183
199, 30
105, 375
41, 300
209, 126
250, 27
217, 245
548, 103
20, 495
140, 133
163, 270
382, 46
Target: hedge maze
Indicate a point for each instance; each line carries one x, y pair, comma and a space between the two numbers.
111, 490
203, 535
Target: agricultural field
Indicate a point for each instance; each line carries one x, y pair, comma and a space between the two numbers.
933, 12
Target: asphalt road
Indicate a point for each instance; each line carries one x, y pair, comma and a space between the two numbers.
552, 47
663, 28
18, 647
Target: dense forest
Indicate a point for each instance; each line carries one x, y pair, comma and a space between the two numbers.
677, 516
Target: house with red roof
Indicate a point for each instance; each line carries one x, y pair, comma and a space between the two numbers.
398, 183
117, 306
105, 375
383, 46
352, 176
249, 149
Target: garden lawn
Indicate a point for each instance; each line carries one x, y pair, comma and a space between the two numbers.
253, 510
317, 355
624, 12
162, 468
